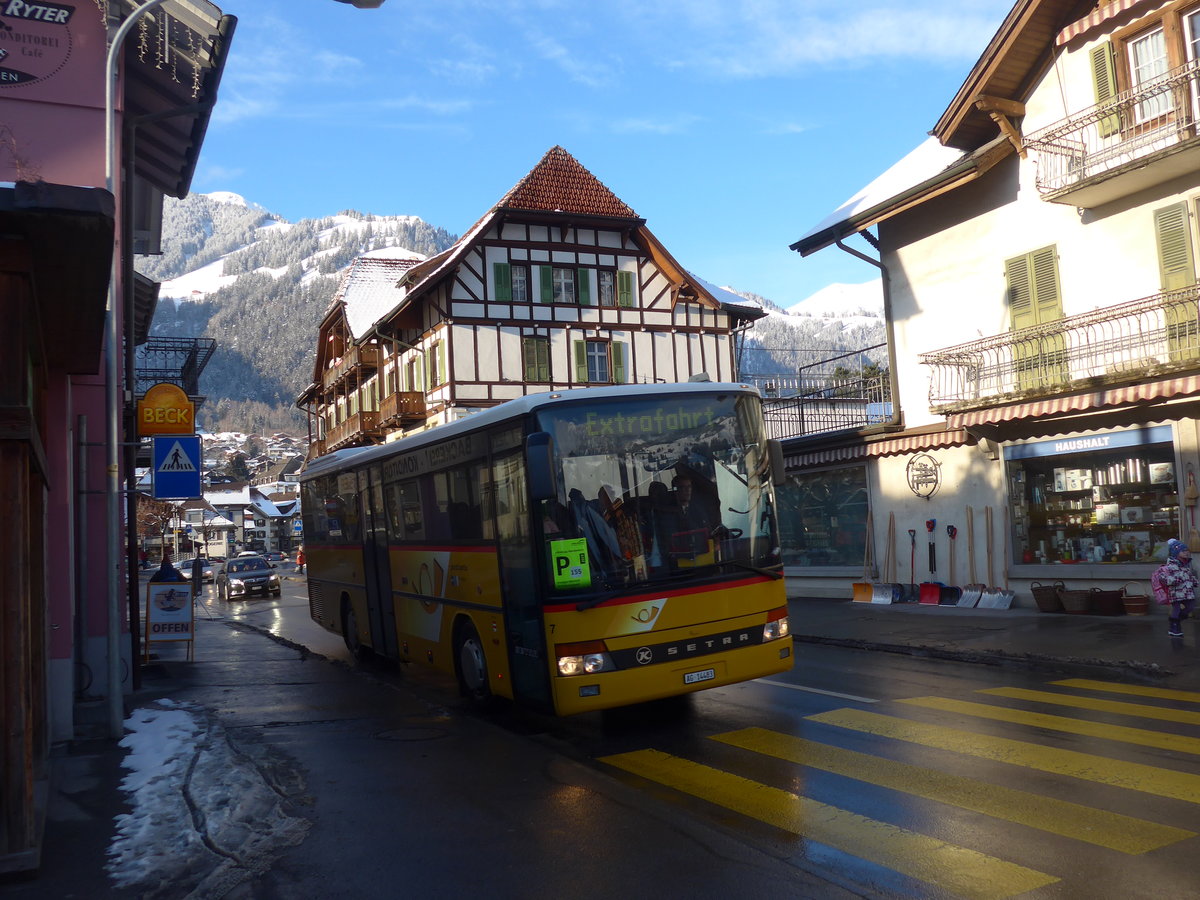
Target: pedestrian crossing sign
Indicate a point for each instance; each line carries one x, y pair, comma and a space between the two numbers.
176, 467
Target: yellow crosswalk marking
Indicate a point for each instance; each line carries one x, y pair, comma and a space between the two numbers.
1123, 733
965, 872
1105, 829
1118, 773
1089, 684
1120, 707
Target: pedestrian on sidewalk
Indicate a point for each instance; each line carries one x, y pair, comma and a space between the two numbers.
1181, 582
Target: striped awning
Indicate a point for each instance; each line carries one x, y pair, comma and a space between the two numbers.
889, 446
1185, 386
1101, 14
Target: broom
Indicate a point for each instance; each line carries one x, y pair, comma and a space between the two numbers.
1190, 496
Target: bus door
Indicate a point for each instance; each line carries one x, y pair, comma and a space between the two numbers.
377, 570
527, 654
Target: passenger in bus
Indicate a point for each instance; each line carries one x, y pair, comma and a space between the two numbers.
694, 522
658, 522
602, 540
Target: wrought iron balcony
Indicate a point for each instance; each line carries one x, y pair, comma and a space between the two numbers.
1141, 137
1121, 344
801, 405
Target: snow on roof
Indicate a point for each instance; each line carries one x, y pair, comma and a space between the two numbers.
369, 290
239, 497
923, 163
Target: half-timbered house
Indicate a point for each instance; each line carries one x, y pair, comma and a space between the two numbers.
559, 285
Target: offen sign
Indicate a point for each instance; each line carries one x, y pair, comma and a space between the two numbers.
166, 409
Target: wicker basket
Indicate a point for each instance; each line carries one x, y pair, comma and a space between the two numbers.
1046, 596
1135, 599
1077, 602
1107, 603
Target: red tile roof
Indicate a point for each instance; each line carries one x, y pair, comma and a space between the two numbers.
558, 183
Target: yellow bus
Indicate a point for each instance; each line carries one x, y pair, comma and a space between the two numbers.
571, 551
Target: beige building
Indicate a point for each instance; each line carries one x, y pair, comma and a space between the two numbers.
1038, 256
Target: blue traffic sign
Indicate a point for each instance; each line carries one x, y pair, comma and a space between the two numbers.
176, 467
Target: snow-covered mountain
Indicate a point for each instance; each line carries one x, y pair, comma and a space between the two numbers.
259, 285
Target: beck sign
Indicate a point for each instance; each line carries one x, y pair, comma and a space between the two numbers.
166, 409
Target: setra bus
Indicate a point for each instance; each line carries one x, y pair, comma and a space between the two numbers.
574, 550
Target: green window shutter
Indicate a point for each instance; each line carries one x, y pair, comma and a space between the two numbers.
547, 278
1104, 83
1047, 296
618, 362
1020, 293
502, 276
441, 358
537, 359
1172, 234
581, 374
583, 287
625, 289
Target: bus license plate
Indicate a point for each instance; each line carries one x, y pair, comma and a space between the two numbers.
702, 675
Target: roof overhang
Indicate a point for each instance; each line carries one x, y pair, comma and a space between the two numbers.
69, 233
966, 170
170, 105
1015, 57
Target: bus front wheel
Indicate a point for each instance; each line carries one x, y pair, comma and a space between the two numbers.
472, 666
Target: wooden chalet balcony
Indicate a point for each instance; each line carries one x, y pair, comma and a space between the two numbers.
365, 358
1140, 138
402, 406
360, 429
1123, 344
315, 449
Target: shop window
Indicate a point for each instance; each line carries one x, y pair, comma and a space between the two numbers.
1109, 499
823, 517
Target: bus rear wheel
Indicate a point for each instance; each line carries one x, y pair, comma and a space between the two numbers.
472, 666
350, 632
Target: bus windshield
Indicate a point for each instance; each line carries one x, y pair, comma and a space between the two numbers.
666, 488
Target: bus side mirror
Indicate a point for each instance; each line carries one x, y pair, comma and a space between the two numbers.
775, 455
539, 466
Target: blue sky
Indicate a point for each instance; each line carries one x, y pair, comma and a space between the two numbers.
731, 127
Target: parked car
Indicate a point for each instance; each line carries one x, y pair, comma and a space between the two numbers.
247, 575
206, 569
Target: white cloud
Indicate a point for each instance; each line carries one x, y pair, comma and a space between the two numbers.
679, 123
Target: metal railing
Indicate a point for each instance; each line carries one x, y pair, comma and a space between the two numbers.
824, 396
1118, 344
1155, 116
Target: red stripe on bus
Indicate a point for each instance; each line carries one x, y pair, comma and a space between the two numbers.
660, 595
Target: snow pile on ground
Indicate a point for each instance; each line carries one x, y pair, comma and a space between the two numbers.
204, 815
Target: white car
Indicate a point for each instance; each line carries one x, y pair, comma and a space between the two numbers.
206, 569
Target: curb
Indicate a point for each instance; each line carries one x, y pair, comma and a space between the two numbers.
1074, 665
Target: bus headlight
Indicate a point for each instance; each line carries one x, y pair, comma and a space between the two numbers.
583, 659
777, 625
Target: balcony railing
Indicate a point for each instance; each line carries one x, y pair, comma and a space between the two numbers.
801, 405
1115, 345
360, 428
366, 357
1154, 118
402, 406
